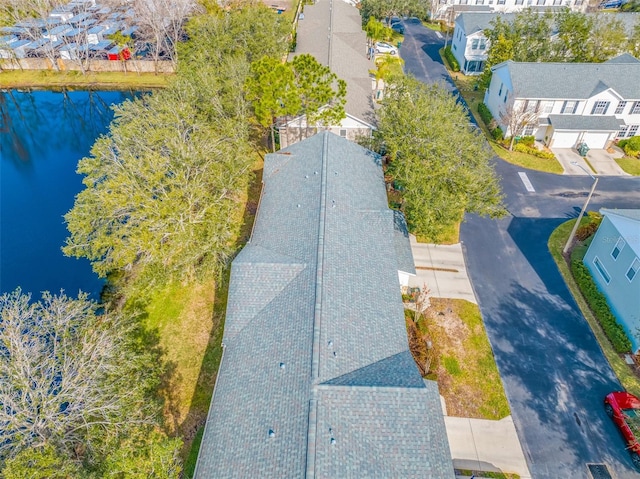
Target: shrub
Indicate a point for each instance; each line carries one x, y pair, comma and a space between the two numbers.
584, 231
497, 133
485, 114
527, 140
631, 146
598, 304
522, 148
451, 60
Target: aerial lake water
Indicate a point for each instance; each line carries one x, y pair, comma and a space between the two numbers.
43, 134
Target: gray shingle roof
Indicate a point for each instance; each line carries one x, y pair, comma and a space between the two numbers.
402, 244
315, 335
335, 38
473, 22
586, 122
572, 81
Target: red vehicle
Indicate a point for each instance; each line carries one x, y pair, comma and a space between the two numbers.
624, 409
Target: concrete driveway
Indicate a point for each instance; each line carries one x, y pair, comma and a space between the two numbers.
601, 160
442, 269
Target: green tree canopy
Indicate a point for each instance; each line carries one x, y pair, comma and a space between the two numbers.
440, 163
381, 9
322, 94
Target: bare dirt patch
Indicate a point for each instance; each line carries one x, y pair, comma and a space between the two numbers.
450, 345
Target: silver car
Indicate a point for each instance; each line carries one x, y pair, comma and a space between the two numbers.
384, 47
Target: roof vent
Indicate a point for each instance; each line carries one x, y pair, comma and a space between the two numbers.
334, 354
281, 365
306, 176
298, 205
315, 172
272, 433
333, 440
330, 343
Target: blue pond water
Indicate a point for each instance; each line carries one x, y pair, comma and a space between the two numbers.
42, 136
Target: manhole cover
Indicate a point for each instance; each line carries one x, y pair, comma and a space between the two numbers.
599, 471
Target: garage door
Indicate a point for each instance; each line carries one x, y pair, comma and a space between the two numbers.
596, 140
565, 139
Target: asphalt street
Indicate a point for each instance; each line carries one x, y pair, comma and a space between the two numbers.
553, 370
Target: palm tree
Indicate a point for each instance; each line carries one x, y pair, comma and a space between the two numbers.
387, 67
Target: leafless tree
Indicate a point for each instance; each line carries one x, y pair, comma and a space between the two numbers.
161, 24
63, 371
516, 115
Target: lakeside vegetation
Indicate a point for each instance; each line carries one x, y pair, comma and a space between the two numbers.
50, 79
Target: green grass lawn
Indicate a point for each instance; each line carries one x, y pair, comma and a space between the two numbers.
629, 165
93, 80
556, 243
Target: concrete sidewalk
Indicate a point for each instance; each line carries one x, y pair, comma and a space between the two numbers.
484, 445
442, 269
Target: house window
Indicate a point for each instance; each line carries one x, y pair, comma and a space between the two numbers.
635, 109
455, 47
633, 129
528, 130
343, 133
483, 44
600, 107
474, 44
633, 269
569, 107
500, 90
620, 107
557, 2
540, 2
579, 2
479, 2
622, 132
617, 248
548, 107
603, 272
502, 2
506, 94
518, 2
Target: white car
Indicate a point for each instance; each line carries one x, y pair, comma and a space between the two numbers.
383, 47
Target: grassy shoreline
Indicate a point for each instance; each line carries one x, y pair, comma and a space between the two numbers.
51, 80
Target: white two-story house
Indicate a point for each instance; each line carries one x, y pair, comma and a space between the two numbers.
447, 9
594, 103
470, 45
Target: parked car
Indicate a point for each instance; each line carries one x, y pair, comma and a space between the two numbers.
384, 47
624, 409
610, 4
398, 27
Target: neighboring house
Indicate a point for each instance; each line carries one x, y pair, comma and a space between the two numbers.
593, 103
296, 129
332, 33
316, 377
470, 45
448, 9
613, 258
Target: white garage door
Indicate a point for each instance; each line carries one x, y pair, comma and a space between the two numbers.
565, 139
596, 140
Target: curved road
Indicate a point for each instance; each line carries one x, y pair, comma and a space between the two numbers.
553, 370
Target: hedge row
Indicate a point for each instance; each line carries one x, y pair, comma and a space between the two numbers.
522, 148
451, 60
598, 304
631, 146
485, 114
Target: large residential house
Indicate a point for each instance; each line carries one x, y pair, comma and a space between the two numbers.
332, 33
316, 377
592, 103
470, 45
613, 258
448, 10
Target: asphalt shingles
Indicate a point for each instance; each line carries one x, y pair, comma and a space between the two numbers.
314, 297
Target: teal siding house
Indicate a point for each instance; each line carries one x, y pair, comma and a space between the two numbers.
614, 261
